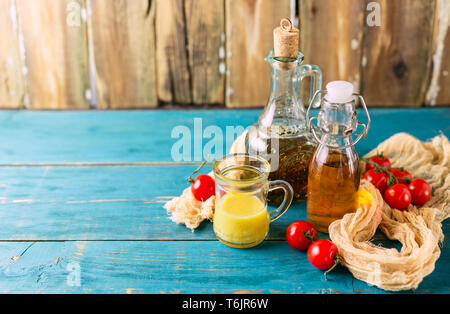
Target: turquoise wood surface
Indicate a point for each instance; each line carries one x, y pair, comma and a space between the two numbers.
145, 136
91, 203
82, 193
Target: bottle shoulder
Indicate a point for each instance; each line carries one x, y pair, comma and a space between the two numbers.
283, 136
336, 158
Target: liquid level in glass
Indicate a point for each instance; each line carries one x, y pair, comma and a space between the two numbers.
241, 220
333, 184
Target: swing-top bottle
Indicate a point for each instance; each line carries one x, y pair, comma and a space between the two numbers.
334, 174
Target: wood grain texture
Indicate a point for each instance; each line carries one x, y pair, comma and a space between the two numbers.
205, 33
146, 136
177, 267
108, 136
122, 41
249, 31
124, 202
397, 54
12, 81
173, 68
438, 93
90, 203
331, 34
128, 244
56, 54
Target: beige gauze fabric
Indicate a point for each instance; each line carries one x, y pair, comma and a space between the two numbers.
417, 229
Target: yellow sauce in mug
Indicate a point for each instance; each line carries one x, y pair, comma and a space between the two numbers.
241, 220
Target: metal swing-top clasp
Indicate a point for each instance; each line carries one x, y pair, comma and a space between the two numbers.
338, 97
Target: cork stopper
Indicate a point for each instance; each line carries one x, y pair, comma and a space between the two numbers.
286, 39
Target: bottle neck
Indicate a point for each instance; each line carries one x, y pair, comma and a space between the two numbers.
283, 116
338, 141
284, 80
337, 122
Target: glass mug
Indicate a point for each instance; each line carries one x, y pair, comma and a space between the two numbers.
241, 218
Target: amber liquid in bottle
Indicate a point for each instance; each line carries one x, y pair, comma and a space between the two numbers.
334, 174
334, 179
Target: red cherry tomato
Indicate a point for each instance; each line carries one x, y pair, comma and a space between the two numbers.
398, 196
379, 160
299, 235
322, 254
378, 179
399, 174
203, 187
420, 191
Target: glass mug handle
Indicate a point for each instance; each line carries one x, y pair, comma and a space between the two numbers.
315, 73
288, 197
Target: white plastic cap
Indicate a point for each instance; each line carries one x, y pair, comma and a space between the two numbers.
339, 92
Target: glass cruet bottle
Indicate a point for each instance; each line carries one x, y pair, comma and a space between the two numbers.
281, 134
334, 175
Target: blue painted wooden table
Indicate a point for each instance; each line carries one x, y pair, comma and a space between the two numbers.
81, 196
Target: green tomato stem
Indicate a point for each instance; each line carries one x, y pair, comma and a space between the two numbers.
308, 236
392, 179
190, 178
337, 261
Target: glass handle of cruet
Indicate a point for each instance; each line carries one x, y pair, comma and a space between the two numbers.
287, 201
313, 71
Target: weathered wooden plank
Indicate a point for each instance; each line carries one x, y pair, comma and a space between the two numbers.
122, 41
146, 136
205, 33
108, 136
55, 40
102, 203
176, 267
12, 81
173, 69
249, 32
438, 92
397, 55
331, 34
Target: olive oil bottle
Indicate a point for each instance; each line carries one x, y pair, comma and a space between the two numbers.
281, 134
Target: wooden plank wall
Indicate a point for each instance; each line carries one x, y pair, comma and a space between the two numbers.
337, 52
122, 41
439, 88
12, 81
56, 54
397, 55
249, 31
81, 54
